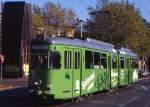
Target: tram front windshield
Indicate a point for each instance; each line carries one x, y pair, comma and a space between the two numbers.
50, 60
39, 61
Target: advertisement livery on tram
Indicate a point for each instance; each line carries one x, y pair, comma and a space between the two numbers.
65, 68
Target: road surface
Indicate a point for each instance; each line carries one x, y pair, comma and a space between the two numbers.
136, 95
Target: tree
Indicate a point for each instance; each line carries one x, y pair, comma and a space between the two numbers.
119, 24
37, 20
53, 18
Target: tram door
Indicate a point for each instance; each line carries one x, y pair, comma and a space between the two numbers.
76, 74
68, 69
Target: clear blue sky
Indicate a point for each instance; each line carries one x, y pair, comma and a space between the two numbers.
80, 6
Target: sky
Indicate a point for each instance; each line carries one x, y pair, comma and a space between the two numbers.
80, 6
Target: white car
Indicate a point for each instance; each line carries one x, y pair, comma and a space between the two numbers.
145, 73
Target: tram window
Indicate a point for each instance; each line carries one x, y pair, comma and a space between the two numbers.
122, 62
67, 59
55, 60
103, 61
34, 61
134, 63
88, 59
114, 62
77, 60
70, 59
39, 61
127, 62
97, 61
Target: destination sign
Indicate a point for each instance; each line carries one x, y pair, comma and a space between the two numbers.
39, 47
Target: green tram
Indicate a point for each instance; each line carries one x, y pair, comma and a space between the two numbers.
65, 68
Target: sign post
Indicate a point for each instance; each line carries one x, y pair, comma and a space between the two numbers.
1, 62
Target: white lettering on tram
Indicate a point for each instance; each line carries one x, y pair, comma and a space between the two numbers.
135, 75
77, 86
113, 74
88, 83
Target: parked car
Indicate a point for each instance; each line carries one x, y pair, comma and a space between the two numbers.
145, 74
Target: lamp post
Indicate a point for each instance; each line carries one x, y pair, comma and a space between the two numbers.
81, 27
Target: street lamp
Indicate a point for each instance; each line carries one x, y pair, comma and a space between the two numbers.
81, 22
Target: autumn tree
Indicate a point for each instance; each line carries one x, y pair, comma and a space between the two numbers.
120, 24
37, 20
53, 18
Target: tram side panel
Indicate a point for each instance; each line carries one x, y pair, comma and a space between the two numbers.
64, 77
114, 70
123, 70
133, 69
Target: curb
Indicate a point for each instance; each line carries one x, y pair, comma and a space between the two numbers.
12, 88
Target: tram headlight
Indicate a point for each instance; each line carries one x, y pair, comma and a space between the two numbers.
31, 91
38, 82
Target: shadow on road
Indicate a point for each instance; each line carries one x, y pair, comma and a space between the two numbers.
19, 98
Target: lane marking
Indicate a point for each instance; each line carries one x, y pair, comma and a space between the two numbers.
101, 102
138, 86
130, 101
147, 105
144, 88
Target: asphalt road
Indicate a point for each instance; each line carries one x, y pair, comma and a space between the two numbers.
136, 95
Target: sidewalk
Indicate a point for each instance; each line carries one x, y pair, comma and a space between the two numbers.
13, 83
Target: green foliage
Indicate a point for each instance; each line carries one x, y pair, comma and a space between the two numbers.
119, 24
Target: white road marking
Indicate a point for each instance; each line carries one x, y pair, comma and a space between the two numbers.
138, 86
144, 88
130, 101
101, 102
147, 105
119, 105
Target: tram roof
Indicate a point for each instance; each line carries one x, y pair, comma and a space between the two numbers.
127, 52
87, 43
